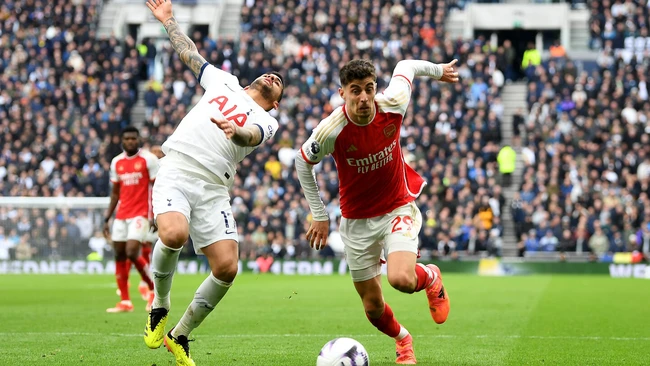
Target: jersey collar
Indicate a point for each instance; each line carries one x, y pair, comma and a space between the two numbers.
132, 156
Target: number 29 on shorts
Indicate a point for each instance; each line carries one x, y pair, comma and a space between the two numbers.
401, 223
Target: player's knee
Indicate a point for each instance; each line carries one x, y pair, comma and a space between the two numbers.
403, 282
132, 253
120, 256
174, 236
226, 271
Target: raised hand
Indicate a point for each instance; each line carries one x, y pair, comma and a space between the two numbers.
449, 73
226, 126
161, 9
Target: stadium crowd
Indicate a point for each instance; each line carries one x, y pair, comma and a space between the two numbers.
587, 156
619, 25
65, 95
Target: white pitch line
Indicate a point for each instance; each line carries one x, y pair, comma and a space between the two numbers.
289, 335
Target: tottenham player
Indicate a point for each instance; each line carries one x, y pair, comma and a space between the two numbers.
377, 190
132, 173
191, 192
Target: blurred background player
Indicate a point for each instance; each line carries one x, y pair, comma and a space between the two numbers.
377, 192
150, 238
132, 173
191, 195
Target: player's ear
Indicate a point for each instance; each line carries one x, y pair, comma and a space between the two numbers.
276, 104
341, 93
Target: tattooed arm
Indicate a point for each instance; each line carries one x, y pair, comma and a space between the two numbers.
182, 44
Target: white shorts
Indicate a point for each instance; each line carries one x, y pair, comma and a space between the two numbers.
151, 237
364, 239
130, 229
180, 187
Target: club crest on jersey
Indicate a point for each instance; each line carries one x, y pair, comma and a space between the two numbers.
137, 166
390, 130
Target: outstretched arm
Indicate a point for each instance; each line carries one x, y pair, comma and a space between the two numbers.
398, 93
240, 136
413, 68
183, 45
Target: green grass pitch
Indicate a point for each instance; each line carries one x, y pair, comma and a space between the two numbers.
284, 320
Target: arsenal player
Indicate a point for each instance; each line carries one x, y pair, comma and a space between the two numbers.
132, 174
377, 191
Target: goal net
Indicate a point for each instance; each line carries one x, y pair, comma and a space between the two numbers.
52, 228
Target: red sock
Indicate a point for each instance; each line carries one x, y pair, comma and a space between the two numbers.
141, 266
122, 277
146, 253
425, 277
386, 323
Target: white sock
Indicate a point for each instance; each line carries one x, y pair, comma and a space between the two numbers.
207, 296
402, 333
163, 265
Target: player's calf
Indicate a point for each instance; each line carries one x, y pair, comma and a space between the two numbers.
403, 281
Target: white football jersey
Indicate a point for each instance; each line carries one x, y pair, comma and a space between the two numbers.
199, 138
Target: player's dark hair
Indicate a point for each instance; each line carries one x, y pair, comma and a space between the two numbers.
282, 81
130, 129
357, 70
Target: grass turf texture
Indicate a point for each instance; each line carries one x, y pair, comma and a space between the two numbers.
285, 320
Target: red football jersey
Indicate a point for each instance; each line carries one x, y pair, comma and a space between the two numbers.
374, 179
134, 174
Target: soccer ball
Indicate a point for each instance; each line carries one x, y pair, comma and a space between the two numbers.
343, 352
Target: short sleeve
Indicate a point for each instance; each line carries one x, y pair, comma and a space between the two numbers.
152, 165
322, 140
113, 172
269, 126
209, 76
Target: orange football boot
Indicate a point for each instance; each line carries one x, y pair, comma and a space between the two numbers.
438, 298
124, 306
404, 351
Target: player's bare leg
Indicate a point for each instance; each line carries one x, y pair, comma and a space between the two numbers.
222, 256
405, 275
173, 231
133, 254
122, 277
382, 317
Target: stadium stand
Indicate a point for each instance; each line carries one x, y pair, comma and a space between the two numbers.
586, 148
65, 96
